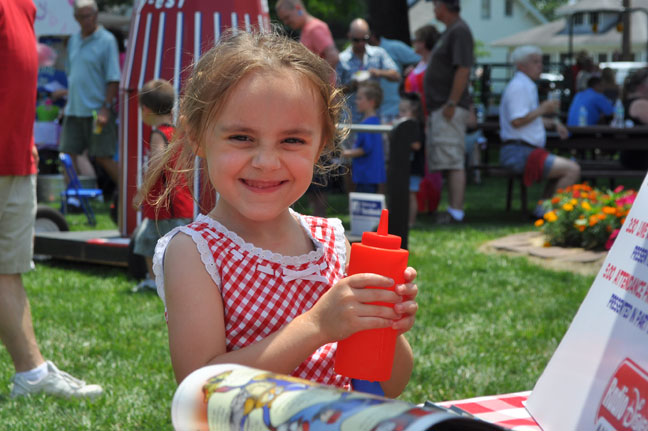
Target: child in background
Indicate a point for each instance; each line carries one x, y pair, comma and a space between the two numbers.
368, 164
254, 282
156, 100
410, 120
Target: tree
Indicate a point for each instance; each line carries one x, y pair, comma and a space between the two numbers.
548, 7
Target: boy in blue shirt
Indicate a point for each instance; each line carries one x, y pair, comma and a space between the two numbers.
597, 106
368, 165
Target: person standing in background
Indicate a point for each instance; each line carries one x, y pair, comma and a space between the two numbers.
314, 33
18, 83
424, 40
404, 56
361, 61
446, 82
93, 73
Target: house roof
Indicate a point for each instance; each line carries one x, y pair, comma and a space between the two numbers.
590, 5
553, 34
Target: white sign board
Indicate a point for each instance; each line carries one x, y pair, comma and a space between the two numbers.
597, 379
55, 18
365, 209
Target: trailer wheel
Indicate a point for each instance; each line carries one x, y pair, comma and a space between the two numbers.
49, 220
136, 263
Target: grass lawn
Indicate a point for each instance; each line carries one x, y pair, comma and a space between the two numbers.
487, 323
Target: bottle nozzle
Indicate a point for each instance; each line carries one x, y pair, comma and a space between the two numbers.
381, 238
383, 224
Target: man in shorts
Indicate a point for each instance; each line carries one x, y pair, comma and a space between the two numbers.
447, 99
93, 73
18, 78
522, 127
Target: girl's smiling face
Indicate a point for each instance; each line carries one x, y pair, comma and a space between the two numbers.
261, 147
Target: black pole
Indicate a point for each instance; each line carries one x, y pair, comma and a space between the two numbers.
389, 18
626, 52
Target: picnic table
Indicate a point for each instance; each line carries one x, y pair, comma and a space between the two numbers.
593, 147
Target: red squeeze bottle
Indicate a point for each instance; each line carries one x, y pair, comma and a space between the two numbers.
369, 354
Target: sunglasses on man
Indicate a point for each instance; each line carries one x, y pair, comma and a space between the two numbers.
360, 39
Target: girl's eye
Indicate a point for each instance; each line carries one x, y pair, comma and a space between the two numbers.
294, 141
241, 138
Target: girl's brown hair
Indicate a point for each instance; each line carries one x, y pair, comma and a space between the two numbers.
211, 82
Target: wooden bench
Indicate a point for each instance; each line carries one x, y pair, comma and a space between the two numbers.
591, 170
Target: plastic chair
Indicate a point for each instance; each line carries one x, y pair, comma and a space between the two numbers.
74, 189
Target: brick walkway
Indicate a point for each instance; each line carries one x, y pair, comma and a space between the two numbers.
531, 244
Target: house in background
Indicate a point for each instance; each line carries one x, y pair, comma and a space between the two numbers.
489, 20
595, 31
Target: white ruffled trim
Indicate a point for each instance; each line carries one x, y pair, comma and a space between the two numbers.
340, 241
206, 256
263, 253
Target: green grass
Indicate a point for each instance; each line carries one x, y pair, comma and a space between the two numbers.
487, 323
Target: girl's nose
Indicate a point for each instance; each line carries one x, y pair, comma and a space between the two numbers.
266, 158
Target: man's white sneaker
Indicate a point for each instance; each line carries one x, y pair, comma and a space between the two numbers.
57, 383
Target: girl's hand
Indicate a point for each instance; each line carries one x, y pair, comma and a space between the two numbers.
345, 309
407, 308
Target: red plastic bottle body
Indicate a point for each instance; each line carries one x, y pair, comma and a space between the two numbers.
369, 355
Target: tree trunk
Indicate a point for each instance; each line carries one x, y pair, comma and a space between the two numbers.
389, 18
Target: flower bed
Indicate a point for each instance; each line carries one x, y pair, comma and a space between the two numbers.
582, 216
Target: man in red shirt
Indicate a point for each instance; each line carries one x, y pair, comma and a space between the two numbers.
314, 33
18, 78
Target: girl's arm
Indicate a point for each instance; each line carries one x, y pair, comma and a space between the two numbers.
196, 317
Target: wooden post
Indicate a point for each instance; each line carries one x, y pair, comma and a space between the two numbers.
390, 19
398, 174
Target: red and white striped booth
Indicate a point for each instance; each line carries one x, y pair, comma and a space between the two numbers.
166, 37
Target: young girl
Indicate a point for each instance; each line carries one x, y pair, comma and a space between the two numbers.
254, 282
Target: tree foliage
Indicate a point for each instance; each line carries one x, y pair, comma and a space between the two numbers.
548, 7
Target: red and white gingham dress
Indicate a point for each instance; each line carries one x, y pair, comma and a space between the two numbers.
262, 290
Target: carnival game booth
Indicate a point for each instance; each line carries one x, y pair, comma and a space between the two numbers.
166, 37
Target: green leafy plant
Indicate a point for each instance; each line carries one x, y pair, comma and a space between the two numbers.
582, 216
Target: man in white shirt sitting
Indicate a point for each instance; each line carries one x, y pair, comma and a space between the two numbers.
522, 128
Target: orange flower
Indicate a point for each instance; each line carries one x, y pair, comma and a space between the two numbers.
568, 207
539, 222
593, 220
580, 227
551, 216
601, 216
609, 210
586, 206
555, 200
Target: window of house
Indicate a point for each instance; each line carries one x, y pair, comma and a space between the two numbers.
508, 8
578, 19
546, 59
485, 9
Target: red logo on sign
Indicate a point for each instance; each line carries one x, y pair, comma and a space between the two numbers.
623, 406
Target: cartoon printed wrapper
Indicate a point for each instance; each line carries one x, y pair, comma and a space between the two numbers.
623, 406
234, 397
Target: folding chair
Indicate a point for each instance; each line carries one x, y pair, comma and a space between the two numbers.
74, 189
